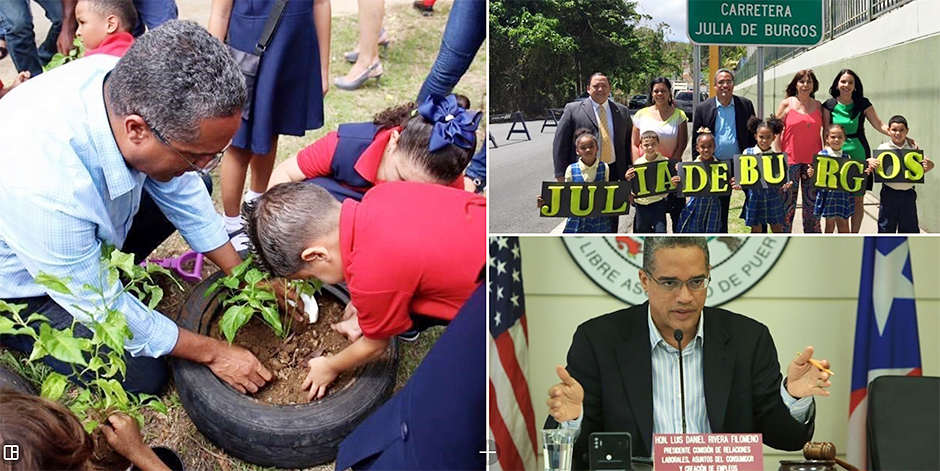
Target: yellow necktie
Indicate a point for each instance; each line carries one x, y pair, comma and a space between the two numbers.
607, 150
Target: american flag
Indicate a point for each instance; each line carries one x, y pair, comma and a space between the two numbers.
511, 418
886, 341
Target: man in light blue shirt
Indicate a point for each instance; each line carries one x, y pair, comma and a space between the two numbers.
86, 149
726, 115
624, 370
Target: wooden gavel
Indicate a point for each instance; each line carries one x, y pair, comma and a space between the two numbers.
824, 451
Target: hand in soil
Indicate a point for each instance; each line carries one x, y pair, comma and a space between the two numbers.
284, 294
124, 437
349, 326
319, 378
239, 368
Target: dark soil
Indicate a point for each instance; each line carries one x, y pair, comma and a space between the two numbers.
287, 358
104, 457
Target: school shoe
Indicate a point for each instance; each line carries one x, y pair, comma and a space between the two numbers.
353, 56
374, 71
410, 336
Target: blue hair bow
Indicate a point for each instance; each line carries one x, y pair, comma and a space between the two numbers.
452, 123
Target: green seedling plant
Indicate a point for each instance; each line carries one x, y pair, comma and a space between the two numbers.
99, 360
247, 291
77, 52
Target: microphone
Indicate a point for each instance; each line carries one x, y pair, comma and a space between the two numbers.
678, 336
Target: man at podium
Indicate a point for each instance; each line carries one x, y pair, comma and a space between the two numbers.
623, 367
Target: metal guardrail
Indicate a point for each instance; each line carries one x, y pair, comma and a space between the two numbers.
839, 17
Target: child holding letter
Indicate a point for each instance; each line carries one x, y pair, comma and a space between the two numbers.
897, 210
764, 205
650, 210
587, 169
836, 206
702, 214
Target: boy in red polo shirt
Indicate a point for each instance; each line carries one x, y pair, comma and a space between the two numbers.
105, 26
408, 250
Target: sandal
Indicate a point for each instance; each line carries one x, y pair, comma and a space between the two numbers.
4, 52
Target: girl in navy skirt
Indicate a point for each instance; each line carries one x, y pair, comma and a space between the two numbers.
587, 169
836, 206
702, 214
288, 92
764, 205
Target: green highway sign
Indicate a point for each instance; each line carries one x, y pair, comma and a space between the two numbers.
756, 22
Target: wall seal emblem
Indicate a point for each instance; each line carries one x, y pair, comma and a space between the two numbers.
738, 263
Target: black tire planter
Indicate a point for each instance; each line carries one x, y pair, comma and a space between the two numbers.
286, 436
11, 380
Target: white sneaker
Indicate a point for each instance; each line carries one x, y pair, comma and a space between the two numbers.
239, 240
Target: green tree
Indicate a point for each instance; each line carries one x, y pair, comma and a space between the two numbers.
542, 53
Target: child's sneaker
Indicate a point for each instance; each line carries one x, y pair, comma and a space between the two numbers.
239, 240
410, 336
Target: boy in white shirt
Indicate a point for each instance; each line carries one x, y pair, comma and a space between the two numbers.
650, 210
897, 210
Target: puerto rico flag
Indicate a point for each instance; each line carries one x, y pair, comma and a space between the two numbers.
511, 416
886, 342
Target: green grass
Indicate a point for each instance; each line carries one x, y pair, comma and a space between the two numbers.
35, 372
415, 40
735, 223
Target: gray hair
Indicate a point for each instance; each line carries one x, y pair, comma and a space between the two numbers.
175, 77
723, 71
283, 221
652, 244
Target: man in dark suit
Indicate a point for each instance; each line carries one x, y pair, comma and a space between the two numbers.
622, 367
726, 115
613, 131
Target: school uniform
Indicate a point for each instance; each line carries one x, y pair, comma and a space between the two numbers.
701, 215
411, 248
897, 210
288, 90
650, 210
346, 162
578, 172
113, 45
834, 204
763, 205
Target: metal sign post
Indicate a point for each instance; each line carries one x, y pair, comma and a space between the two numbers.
696, 77
760, 82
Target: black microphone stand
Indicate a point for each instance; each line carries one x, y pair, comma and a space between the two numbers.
678, 336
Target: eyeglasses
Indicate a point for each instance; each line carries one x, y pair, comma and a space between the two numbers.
726, 82
698, 283
202, 171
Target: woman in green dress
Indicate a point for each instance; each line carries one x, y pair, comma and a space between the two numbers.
849, 107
